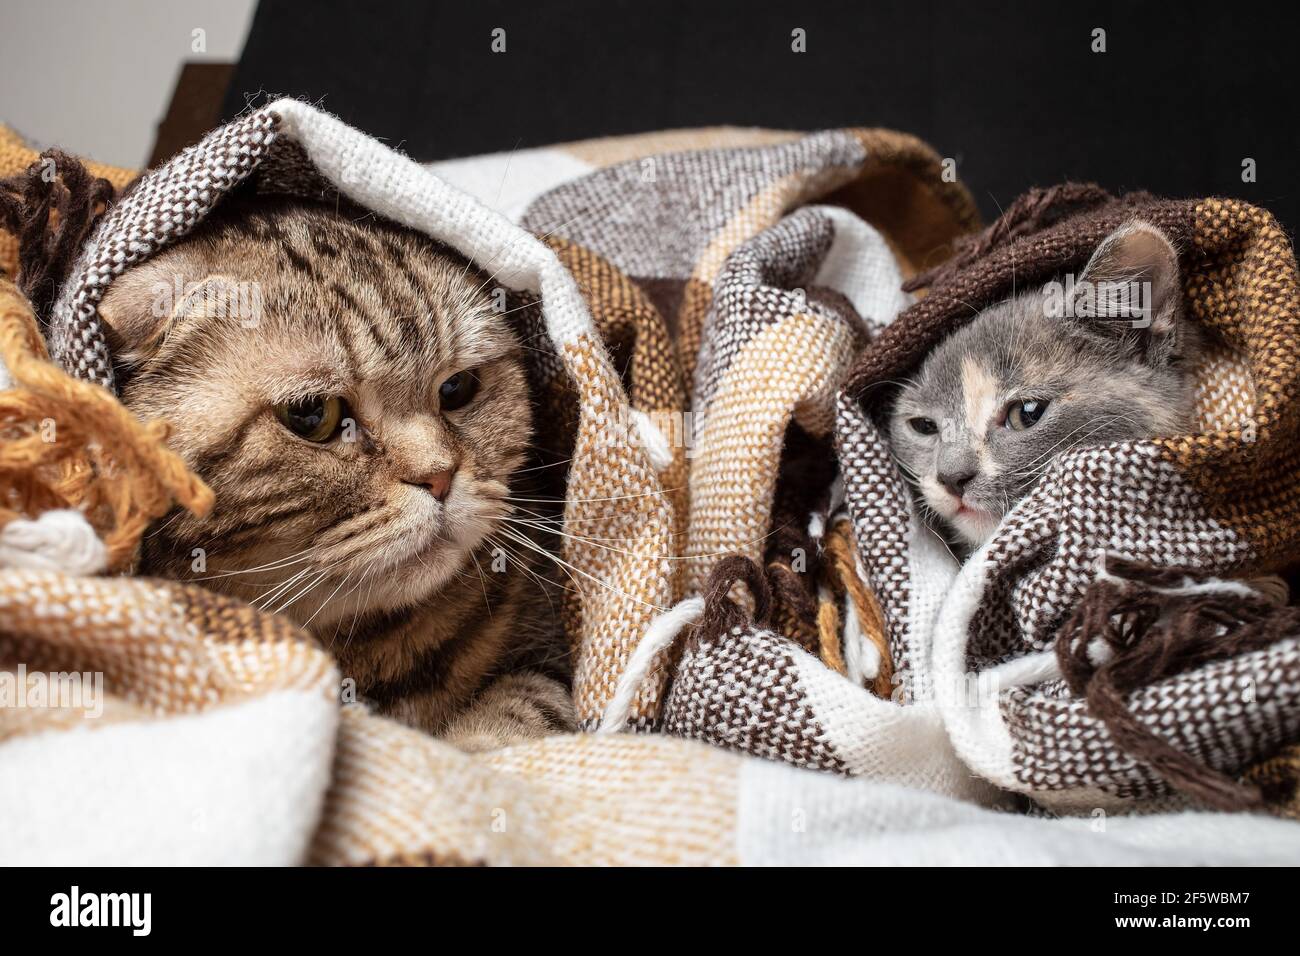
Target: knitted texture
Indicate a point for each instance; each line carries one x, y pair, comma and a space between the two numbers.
730, 344
766, 299
15, 157
694, 308
1222, 501
66, 444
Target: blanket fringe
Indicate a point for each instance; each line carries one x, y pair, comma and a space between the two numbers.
51, 208
1032, 211
659, 637
868, 620
68, 444
1278, 779
1157, 623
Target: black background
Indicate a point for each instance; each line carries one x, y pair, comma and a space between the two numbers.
1012, 91
357, 909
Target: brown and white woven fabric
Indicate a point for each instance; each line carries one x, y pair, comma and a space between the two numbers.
770, 263
747, 570
218, 738
700, 318
1220, 504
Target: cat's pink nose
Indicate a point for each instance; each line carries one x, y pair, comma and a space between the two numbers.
438, 482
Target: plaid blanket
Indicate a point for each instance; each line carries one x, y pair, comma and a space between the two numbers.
720, 306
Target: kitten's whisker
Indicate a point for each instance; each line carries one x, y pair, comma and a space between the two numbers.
1094, 426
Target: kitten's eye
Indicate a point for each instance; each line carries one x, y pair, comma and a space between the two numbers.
923, 426
1022, 415
315, 419
457, 391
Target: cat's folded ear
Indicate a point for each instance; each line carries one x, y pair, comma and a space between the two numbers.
146, 304
1131, 289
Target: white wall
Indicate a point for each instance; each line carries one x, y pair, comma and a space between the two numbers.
96, 77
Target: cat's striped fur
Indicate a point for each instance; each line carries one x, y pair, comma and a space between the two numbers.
437, 621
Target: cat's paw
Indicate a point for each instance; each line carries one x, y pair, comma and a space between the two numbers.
513, 709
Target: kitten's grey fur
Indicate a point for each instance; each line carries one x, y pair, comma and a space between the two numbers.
1103, 380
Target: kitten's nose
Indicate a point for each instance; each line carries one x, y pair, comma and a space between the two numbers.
438, 482
956, 481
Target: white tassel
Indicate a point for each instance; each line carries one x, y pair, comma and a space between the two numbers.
818, 520
661, 633
59, 540
653, 440
1028, 669
1191, 587
861, 657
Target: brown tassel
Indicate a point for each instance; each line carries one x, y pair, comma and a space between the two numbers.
1032, 211
1278, 779
1155, 635
721, 613
51, 208
840, 549
828, 636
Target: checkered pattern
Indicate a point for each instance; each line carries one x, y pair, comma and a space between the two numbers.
703, 272
1222, 502
164, 207
700, 269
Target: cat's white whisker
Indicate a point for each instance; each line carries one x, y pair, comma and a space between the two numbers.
645, 494
560, 561
274, 591
296, 558
320, 576
342, 581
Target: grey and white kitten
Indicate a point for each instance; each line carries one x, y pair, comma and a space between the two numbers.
1107, 358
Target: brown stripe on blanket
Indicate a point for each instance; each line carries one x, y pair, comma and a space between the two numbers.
903, 192
1224, 500
760, 707
634, 330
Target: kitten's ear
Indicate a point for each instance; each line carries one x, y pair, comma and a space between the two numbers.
1133, 282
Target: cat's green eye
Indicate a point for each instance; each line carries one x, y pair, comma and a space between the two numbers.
1022, 415
458, 391
315, 418
923, 426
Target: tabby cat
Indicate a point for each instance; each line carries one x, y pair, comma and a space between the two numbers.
1109, 358
362, 412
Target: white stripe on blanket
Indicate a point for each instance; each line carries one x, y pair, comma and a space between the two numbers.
238, 785
791, 817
